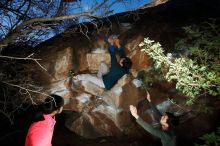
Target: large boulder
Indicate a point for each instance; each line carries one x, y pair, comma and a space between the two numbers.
108, 114
101, 112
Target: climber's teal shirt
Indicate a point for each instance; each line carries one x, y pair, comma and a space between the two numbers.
116, 70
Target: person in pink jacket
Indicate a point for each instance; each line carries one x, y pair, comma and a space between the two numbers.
41, 131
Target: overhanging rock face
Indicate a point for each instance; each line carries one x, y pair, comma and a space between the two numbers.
106, 113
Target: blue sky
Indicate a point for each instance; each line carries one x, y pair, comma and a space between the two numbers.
124, 5
83, 6
134, 4
119, 6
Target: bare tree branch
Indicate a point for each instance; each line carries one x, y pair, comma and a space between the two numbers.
9, 134
99, 6
27, 91
16, 32
7, 116
26, 58
12, 35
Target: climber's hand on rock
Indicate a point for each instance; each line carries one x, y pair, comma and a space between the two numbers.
111, 40
117, 43
148, 96
133, 111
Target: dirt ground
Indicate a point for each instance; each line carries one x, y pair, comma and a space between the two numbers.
15, 135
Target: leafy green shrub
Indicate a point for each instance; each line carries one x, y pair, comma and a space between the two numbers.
211, 139
196, 75
203, 41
